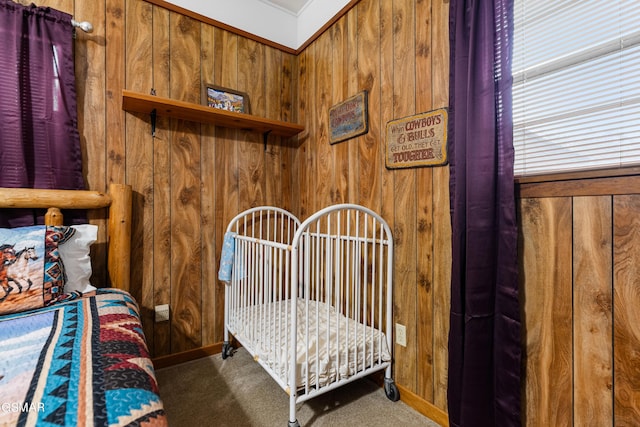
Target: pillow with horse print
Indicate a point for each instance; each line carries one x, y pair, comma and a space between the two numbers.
31, 270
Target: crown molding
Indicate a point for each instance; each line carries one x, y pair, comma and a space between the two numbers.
264, 21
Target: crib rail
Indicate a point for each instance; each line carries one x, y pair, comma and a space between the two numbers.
265, 223
345, 260
260, 275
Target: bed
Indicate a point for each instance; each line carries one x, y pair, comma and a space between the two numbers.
310, 301
72, 355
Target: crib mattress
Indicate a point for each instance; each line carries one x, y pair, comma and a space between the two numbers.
82, 362
329, 345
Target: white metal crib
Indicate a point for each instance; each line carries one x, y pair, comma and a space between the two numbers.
311, 301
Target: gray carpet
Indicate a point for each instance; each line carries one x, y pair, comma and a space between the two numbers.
238, 392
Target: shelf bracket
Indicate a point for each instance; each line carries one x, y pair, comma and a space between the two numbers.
265, 138
154, 115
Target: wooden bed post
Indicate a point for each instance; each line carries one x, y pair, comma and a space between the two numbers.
53, 217
119, 235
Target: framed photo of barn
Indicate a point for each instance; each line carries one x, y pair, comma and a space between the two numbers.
419, 140
226, 99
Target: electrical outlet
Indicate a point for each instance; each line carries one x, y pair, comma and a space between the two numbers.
162, 313
401, 335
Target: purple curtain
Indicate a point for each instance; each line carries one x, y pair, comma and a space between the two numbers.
484, 338
39, 140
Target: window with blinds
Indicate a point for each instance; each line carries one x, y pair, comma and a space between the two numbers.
576, 85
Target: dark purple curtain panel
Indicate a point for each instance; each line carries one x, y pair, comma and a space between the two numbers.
39, 140
484, 338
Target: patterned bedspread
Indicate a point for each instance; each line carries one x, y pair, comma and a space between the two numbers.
82, 362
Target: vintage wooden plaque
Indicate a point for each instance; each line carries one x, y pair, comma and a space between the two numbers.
348, 118
419, 140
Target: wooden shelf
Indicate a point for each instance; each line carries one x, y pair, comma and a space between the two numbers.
141, 103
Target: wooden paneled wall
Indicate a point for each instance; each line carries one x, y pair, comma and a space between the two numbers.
580, 252
398, 52
190, 179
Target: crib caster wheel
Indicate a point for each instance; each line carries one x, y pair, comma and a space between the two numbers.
293, 424
391, 390
227, 350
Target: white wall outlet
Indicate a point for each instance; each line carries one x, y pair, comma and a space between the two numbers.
162, 313
401, 335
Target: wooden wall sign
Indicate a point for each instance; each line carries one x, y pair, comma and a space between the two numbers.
348, 118
419, 140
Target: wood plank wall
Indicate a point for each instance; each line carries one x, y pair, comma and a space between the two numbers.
579, 281
190, 179
398, 52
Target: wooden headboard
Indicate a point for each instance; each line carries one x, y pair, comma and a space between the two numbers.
118, 200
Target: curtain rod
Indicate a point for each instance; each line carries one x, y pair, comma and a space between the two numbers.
84, 25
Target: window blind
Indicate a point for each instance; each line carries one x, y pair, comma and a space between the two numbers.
576, 85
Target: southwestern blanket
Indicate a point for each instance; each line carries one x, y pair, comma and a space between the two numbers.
83, 362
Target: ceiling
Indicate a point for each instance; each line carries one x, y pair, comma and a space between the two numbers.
289, 23
293, 6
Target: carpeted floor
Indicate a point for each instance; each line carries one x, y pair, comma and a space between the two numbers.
238, 392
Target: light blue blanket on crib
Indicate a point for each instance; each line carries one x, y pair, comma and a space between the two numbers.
226, 257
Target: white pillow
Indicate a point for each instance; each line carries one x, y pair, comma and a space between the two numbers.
75, 257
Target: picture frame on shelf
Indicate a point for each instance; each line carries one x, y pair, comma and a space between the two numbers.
223, 98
